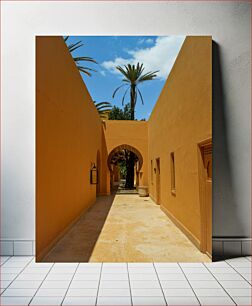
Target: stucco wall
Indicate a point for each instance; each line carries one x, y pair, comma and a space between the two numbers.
68, 137
133, 133
181, 119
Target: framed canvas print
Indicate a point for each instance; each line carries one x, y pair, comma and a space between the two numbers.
124, 148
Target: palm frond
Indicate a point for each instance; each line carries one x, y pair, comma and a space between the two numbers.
122, 71
131, 72
81, 69
74, 46
104, 116
141, 97
148, 76
103, 108
114, 93
84, 58
102, 104
85, 68
125, 95
140, 70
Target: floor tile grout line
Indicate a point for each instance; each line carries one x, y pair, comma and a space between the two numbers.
246, 258
6, 260
1, 266
16, 276
235, 271
228, 260
96, 299
160, 283
240, 274
69, 284
131, 297
189, 284
41, 283
220, 284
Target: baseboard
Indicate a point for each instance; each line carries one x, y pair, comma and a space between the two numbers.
184, 230
153, 199
223, 247
17, 247
227, 247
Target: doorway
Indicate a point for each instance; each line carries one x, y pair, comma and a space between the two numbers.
158, 181
125, 163
205, 184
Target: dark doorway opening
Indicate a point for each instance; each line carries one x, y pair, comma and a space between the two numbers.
124, 163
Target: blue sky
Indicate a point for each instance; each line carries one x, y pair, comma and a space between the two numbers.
155, 52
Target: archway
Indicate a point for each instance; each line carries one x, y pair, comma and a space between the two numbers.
125, 163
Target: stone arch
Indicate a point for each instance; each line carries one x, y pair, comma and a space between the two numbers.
125, 147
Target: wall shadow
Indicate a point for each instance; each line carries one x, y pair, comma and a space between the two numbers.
78, 243
226, 219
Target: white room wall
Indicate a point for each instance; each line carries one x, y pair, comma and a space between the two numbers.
229, 25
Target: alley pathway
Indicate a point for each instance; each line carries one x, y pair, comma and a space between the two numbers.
125, 228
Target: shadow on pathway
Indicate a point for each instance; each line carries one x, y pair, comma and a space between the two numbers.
78, 243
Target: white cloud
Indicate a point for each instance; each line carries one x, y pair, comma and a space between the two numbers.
141, 41
145, 40
160, 57
149, 41
102, 72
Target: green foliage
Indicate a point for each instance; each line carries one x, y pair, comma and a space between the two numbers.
123, 169
117, 113
78, 60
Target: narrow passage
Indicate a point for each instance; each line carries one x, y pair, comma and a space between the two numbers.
125, 228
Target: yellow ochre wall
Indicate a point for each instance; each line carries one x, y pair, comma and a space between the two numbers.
133, 133
68, 137
181, 119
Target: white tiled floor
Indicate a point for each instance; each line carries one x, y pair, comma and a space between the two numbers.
24, 282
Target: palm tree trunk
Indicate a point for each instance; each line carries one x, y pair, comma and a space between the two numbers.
132, 101
130, 162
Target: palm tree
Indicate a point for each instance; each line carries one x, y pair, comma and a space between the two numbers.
103, 109
133, 76
81, 68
